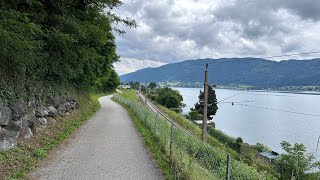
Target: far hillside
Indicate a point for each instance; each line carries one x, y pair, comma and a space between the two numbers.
235, 71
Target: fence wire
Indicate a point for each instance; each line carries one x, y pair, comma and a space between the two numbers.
189, 157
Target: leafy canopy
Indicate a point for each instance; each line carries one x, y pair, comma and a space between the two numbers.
169, 98
212, 103
59, 41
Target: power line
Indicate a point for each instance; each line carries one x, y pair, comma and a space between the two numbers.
231, 97
279, 110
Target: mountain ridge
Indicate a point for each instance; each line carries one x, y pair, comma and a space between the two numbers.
242, 71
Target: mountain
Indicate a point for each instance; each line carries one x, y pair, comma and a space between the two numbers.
240, 71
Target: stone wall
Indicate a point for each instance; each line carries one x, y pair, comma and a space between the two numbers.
22, 118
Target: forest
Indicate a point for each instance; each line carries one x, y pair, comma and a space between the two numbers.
50, 45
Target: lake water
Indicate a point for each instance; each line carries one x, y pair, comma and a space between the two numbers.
260, 117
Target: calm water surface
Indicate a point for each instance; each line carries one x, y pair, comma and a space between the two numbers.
249, 118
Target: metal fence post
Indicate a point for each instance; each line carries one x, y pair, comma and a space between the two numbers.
145, 120
171, 141
228, 168
155, 127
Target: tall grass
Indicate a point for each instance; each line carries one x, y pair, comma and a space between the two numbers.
190, 158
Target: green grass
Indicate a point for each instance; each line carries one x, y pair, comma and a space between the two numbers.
247, 155
41, 153
191, 159
185, 123
17, 162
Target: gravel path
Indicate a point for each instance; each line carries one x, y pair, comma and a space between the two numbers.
107, 147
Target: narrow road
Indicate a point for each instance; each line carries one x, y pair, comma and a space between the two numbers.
107, 147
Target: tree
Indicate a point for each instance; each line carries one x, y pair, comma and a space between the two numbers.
169, 98
212, 103
134, 85
194, 115
152, 85
295, 162
63, 42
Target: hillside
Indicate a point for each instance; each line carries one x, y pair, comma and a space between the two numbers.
240, 71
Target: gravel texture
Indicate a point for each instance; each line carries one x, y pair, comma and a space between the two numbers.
107, 147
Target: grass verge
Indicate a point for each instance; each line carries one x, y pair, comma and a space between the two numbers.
17, 162
191, 159
247, 155
181, 120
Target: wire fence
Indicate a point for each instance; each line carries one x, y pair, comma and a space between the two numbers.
189, 157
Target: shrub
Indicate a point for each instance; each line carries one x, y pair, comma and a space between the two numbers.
41, 153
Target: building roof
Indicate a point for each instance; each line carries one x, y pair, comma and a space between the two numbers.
269, 154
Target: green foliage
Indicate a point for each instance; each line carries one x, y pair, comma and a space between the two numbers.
41, 153
61, 42
134, 85
261, 147
192, 128
295, 162
194, 115
169, 98
191, 159
212, 103
220, 140
152, 85
224, 138
108, 83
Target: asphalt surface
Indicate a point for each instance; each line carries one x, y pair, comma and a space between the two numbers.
107, 147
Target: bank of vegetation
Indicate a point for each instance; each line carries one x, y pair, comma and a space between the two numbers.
51, 51
295, 162
189, 157
46, 45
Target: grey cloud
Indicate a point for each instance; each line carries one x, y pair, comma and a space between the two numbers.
304, 8
174, 30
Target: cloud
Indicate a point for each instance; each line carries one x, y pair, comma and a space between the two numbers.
127, 65
175, 30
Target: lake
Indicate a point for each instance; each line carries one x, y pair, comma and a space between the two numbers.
265, 117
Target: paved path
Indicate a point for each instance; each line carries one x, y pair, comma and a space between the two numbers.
107, 147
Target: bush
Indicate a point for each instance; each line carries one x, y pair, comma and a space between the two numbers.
169, 98
41, 153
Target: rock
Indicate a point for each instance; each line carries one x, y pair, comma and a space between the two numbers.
32, 102
7, 141
41, 112
43, 121
52, 111
14, 126
29, 121
9, 136
74, 105
27, 133
62, 111
5, 114
18, 109
71, 99
54, 101
67, 106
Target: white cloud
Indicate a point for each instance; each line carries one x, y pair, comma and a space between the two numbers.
127, 65
176, 30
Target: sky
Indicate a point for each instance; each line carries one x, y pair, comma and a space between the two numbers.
171, 31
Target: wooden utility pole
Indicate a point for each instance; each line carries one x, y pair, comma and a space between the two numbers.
205, 107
